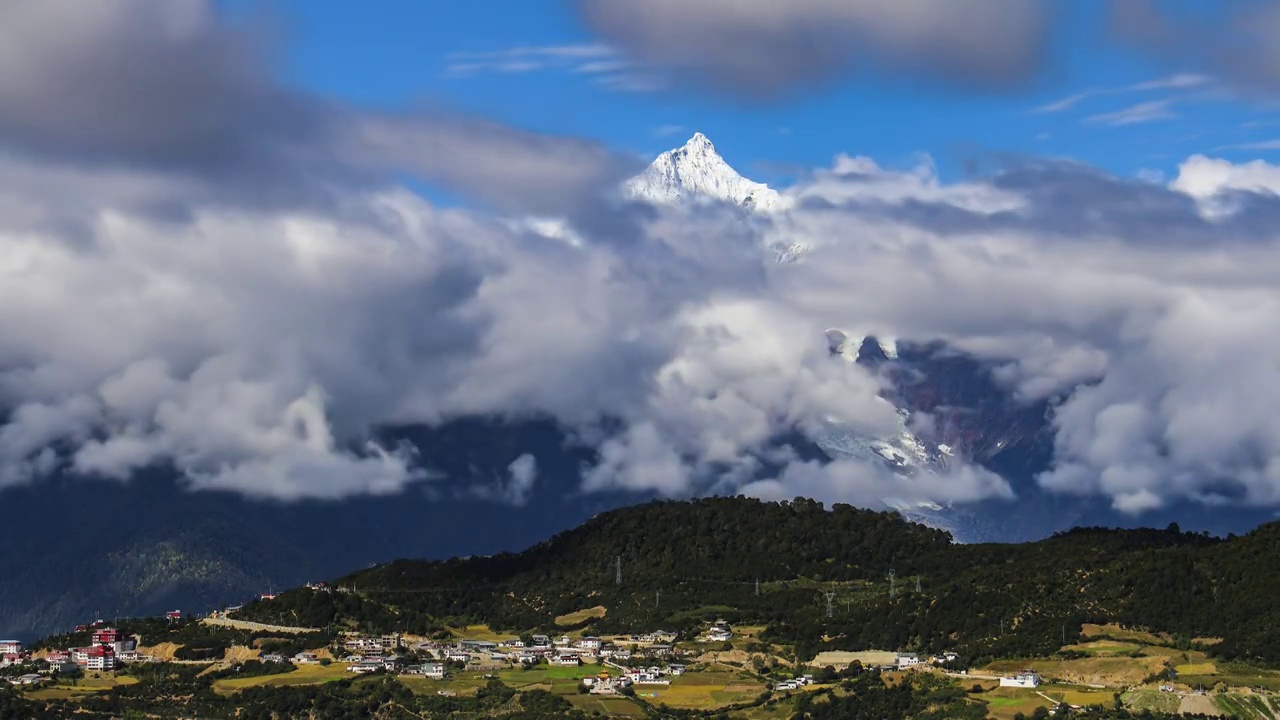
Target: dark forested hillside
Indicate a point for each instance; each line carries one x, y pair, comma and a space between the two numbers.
893, 584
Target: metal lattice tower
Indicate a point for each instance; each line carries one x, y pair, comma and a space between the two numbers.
917, 584
757, 587
892, 581
617, 576
830, 595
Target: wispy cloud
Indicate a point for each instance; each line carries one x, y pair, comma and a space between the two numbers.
668, 131
1264, 145
1144, 112
1182, 81
606, 65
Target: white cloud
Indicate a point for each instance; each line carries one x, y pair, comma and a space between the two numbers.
1143, 112
160, 312
1181, 81
607, 67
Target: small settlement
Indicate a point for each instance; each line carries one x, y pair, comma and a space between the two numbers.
646, 658
106, 651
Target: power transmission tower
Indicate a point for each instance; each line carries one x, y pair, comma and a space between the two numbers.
892, 582
757, 587
830, 594
657, 601
917, 584
617, 577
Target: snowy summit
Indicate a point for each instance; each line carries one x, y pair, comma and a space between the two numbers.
697, 172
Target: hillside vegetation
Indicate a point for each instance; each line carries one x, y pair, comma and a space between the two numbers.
892, 584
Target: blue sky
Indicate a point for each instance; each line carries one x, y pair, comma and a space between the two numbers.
533, 65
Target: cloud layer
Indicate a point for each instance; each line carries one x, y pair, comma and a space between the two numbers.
247, 293
761, 48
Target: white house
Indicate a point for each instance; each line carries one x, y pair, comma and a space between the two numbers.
907, 660
435, 671
563, 641
10, 646
566, 660
541, 641
306, 658
1024, 679
590, 643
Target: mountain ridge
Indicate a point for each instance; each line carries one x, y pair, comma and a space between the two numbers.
695, 172
770, 563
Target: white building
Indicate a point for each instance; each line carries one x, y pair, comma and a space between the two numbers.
1024, 679
907, 660
435, 671
566, 660
590, 643
10, 646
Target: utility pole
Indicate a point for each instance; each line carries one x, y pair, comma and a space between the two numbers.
617, 578
917, 584
830, 594
1001, 626
657, 601
757, 587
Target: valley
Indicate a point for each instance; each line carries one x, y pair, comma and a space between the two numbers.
724, 607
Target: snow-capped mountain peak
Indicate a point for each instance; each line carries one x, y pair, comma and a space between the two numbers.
696, 172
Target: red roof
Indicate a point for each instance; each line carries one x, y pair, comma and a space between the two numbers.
101, 651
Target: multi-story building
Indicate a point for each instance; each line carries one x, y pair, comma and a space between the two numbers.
100, 657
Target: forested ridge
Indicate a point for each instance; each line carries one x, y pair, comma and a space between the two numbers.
896, 585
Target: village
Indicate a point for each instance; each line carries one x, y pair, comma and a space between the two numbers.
715, 666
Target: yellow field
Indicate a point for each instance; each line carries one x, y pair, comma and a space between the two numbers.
88, 685
481, 632
1204, 668
1103, 647
304, 675
574, 618
703, 690
1108, 671
1121, 633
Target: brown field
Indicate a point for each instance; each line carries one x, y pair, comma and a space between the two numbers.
609, 705
842, 659
703, 690
1198, 705
160, 651
574, 618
